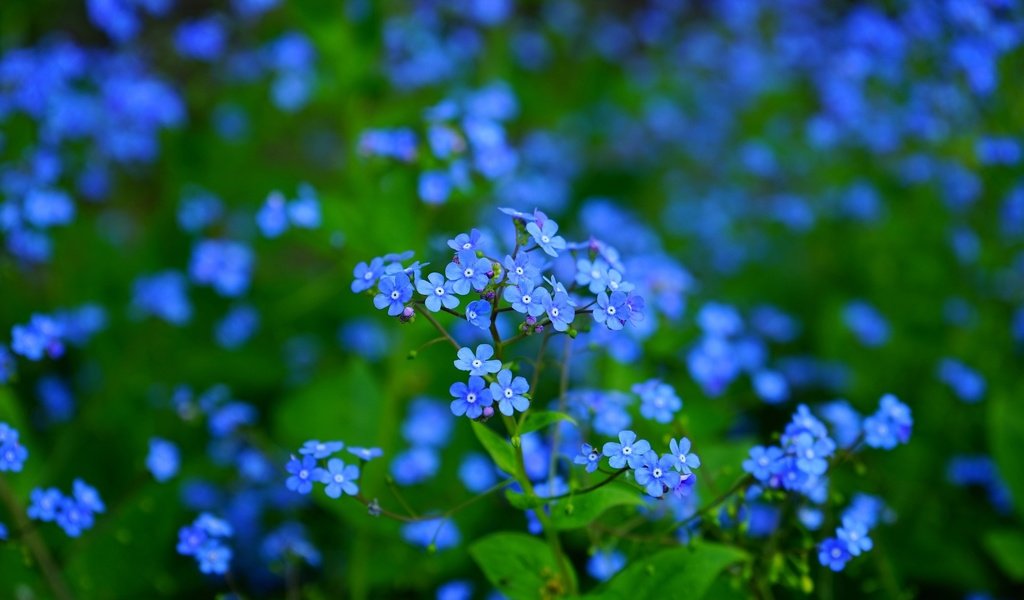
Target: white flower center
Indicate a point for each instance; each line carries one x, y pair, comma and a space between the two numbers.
471, 314
592, 457
554, 312
439, 291
508, 392
368, 275
611, 310
471, 397
394, 295
627, 450
468, 273
520, 271
303, 474
477, 362
527, 299
656, 473
595, 274
545, 239
467, 246
339, 478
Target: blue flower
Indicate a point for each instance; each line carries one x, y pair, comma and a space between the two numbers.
214, 558
366, 275
588, 456
202, 39
440, 533
341, 478
658, 401
657, 474
604, 564
611, 310
321, 449
770, 386
415, 465
272, 218
365, 454
163, 459
811, 454
470, 399
593, 274
73, 517
509, 393
214, 526
762, 462
466, 241
520, 269
890, 425
44, 504
477, 472
304, 211
224, 265
478, 313
394, 292
628, 450
304, 472
438, 292
478, 363
686, 460
190, 539
854, 534
833, 554
12, 453
468, 272
88, 497
559, 309
163, 295
544, 234
237, 326
42, 335
526, 299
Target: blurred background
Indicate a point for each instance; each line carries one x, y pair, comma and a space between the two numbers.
186, 187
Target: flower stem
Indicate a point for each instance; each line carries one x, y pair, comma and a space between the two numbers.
35, 543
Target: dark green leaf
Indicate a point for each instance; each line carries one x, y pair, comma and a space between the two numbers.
679, 573
541, 419
1007, 549
520, 566
579, 510
501, 451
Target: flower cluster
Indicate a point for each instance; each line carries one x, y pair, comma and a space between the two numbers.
278, 214
671, 472
851, 537
12, 453
337, 477
204, 540
74, 514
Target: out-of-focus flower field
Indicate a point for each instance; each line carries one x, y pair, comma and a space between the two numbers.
480, 299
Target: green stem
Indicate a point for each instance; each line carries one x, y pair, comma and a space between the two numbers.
430, 318
35, 543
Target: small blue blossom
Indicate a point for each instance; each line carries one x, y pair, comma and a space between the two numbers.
12, 453
588, 456
890, 425
466, 241
73, 517
604, 564
415, 465
41, 336
544, 234
854, 534
439, 533
163, 459
611, 310
366, 275
470, 399
163, 295
478, 313
468, 272
43, 504
762, 462
686, 461
477, 472
510, 392
520, 269
394, 292
214, 526
559, 310
340, 478
770, 386
832, 553
87, 497
304, 211
434, 187
224, 265
304, 472
478, 363
526, 299
658, 401
628, 450
214, 558
319, 449
657, 474
593, 274
272, 218
438, 292
190, 539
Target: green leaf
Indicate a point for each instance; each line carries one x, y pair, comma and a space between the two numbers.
580, 510
1006, 432
687, 573
501, 451
522, 501
1007, 549
541, 419
520, 566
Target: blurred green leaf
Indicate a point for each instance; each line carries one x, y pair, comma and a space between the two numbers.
1007, 549
541, 419
580, 510
519, 566
501, 451
1006, 432
679, 573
